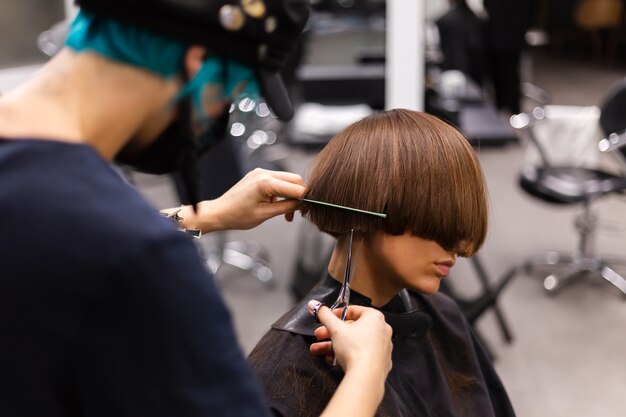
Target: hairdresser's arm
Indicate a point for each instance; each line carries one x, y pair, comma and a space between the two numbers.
248, 203
363, 349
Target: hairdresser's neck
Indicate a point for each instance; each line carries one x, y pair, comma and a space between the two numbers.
85, 98
370, 278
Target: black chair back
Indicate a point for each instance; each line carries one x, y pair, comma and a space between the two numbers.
613, 109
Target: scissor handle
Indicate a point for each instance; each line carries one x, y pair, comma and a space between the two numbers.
344, 313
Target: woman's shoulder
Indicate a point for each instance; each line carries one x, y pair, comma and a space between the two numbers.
439, 303
277, 342
295, 382
279, 352
447, 318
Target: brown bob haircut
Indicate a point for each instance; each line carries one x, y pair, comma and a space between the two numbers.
418, 170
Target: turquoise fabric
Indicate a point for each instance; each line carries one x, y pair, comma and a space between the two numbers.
234, 79
161, 55
126, 44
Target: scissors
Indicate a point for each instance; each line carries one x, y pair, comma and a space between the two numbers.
343, 300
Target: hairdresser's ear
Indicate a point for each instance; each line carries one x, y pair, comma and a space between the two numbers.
194, 57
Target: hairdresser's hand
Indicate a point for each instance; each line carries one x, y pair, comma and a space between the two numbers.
248, 203
362, 341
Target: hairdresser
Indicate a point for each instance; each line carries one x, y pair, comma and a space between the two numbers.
105, 307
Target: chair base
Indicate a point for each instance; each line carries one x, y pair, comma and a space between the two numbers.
245, 256
572, 267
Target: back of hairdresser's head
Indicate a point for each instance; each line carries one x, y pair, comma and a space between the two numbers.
418, 170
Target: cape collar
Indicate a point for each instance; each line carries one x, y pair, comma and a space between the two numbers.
401, 313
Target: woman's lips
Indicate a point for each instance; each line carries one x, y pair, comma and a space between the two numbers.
444, 268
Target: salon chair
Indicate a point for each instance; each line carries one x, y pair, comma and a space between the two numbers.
332, 97
570, 184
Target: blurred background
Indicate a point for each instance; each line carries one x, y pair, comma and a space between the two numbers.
560, 349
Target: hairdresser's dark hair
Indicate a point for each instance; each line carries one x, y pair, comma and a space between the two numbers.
418, 170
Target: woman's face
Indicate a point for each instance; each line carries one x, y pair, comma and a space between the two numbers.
408, 261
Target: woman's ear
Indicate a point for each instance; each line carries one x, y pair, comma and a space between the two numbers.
194, 57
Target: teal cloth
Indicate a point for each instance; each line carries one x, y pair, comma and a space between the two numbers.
159, 54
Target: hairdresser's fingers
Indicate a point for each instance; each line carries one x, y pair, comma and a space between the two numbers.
276, 183
287, 176
321, 348
268, 210
277, 187
315, 308
322, 333
355, 312
330, 318
330, 359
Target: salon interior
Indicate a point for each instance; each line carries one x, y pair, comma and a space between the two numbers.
546, 293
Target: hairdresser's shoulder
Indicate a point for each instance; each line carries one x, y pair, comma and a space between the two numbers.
63, 194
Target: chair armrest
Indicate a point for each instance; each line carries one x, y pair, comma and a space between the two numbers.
615, 142
527, 120
612, 142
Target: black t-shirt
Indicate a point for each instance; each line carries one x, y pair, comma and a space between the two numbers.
105, 308
439, 368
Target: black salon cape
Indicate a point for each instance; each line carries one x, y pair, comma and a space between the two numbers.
105, 308
439, 368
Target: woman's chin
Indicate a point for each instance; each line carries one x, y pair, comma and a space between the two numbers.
428, 287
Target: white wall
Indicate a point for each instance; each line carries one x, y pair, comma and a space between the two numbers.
70, 9
404, 63
11, 77
435, 8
